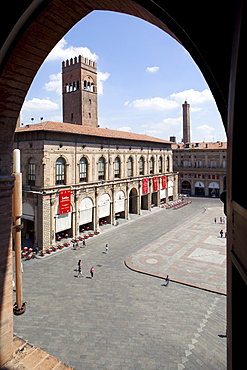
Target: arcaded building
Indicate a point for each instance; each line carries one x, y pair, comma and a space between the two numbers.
201, 167
76, 174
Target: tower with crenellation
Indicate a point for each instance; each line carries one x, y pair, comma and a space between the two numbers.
79, 84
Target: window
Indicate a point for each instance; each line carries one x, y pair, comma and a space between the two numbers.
141, 166
187, 163
160, 164
151, 165
101, 169
130, 166
31, 172
168, 164
117, 168
83, 169
60, 171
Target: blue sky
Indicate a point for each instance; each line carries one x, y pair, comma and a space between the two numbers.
144, 76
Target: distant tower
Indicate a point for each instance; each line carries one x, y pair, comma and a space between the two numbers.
186, 122
79, 83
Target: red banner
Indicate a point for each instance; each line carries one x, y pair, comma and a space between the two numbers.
64, 201
144, 186
163, 182
155, 183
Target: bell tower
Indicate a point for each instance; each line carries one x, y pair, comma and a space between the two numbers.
186, 122
79, 83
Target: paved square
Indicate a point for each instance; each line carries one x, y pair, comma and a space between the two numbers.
192, 253
122, 319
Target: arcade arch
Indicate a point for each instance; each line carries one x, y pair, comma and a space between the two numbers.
133, 201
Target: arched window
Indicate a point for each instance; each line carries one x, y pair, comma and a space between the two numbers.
167, 164
130, 166
83, 169
101, 169
31, 172
151, 166
160, 164
117, 167
141, 166
60, 171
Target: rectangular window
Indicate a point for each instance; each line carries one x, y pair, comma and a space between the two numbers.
116, 169
83, 172
141, 167
101, 170
60, 175
31, 174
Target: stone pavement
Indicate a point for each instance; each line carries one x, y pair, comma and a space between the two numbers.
122, 319
192, 253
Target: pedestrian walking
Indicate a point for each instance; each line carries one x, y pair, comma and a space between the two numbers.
84, 242
215, 220
79, 269
221, 233
106, 248
221, 220
167, 280
92, 272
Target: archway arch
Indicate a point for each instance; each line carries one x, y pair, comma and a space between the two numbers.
36, 26
133, 201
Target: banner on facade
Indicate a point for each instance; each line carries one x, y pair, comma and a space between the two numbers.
64, 201
144, 186
163, 182
155, 183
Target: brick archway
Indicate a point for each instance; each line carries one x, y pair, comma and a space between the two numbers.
32, 29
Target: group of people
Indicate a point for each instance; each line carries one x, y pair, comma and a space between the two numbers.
79, 268
221, 219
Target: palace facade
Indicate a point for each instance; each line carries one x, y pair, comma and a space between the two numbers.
201, 167
78, 175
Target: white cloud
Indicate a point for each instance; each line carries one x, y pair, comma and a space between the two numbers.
125, 128
153, 104
41, 105
55, 83
164, 125
101, 77
152, 69
192, 96
173, 101
207, 132
61, 52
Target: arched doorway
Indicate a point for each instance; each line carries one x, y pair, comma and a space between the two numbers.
213, 189
86, 212
120, 204
104, 208
186, 187
199, 188
133, 198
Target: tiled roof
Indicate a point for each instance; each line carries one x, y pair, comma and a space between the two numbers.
204, 146
87, 130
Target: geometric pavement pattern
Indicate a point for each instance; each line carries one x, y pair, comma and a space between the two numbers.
193, 253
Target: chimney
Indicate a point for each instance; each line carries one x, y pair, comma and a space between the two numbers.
173, 139
186, 122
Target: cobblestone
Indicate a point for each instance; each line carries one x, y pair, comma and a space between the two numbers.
122, 319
